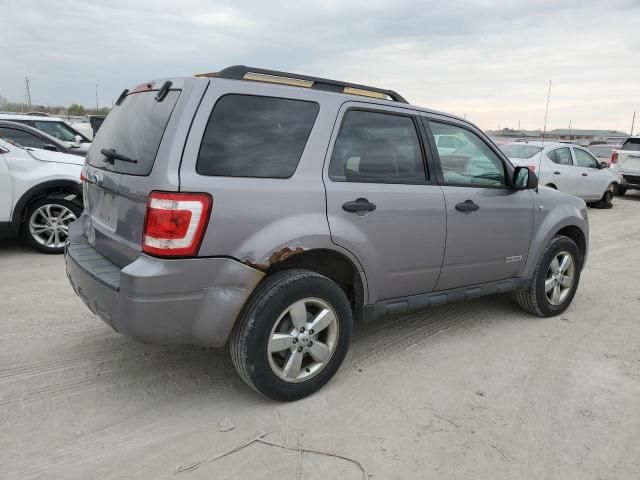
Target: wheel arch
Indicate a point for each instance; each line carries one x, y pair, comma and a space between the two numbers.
331, 264
62, 188
577, 235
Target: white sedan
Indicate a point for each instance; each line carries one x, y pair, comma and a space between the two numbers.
568, 168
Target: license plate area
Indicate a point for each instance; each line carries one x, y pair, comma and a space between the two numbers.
106, 210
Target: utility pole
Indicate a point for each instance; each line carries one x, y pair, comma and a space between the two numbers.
633, 121
27, 92
97, 107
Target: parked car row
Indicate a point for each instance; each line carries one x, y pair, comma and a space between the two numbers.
373, 208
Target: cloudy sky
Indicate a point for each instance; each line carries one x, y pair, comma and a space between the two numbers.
488, 60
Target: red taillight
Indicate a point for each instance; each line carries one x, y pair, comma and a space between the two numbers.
614, 157
82, 177
175, 223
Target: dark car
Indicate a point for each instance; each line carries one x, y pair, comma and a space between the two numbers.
27, 136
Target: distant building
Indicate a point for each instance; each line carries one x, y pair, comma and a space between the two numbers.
561, 135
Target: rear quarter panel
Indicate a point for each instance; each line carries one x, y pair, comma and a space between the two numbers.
262, 220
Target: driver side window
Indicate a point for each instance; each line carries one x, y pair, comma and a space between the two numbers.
584, 159
465, 158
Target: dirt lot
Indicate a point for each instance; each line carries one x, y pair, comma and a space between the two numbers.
476, 390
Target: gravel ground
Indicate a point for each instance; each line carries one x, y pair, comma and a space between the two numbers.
477, 390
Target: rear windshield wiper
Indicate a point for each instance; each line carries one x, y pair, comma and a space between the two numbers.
112, 155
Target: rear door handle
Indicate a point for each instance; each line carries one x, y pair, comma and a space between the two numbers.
585, 174
359, 205
467, 206
557, 173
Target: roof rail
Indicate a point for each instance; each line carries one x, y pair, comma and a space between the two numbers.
242, 72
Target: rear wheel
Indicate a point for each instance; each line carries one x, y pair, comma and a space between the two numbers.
46, 226
555, 279
292, 335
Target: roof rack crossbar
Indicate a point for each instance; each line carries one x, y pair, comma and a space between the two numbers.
242, 72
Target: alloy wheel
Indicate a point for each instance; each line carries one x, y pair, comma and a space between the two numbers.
302, 340
560, 278
49, 225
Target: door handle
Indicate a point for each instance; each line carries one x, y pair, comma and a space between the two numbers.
557, 173
467, 206
359, 205
585, 174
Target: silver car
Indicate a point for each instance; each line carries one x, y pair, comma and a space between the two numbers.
268, 211
569, 168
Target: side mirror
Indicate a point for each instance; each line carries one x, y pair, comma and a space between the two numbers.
78, 140
524, 179
604, 165
48, 146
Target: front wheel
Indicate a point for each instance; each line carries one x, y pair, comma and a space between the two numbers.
620, 191
607, 198
292, 335
555, 279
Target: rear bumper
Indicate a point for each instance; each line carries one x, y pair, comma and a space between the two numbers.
183, 301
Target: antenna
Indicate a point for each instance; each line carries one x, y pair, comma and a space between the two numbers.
544, 131
633, 121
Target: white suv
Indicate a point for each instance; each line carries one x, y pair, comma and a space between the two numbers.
40, 194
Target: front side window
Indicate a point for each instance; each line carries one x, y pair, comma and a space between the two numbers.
252, 136
474, 164
584, 159
58, 130
561, 156
377, 147
23, 139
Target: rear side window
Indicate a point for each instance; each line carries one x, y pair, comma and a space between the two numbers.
377, 147
133, 129
252, 136
632, 144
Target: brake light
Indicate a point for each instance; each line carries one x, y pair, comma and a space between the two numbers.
175, 223
82, 177
614, 157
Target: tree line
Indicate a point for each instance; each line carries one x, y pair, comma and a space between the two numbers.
73, 109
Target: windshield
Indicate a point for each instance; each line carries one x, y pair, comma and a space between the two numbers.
632, 144
133, 129
520, 151
59, 130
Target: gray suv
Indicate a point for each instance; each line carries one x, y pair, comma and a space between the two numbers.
268, 211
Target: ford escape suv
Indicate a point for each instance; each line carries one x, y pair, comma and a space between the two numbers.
266, 211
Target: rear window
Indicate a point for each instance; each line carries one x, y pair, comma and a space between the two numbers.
633, 144
252, 136
133, 129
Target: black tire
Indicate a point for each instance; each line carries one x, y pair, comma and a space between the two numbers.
534, 299
607, 198
253, 329
620, 191
57, 206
